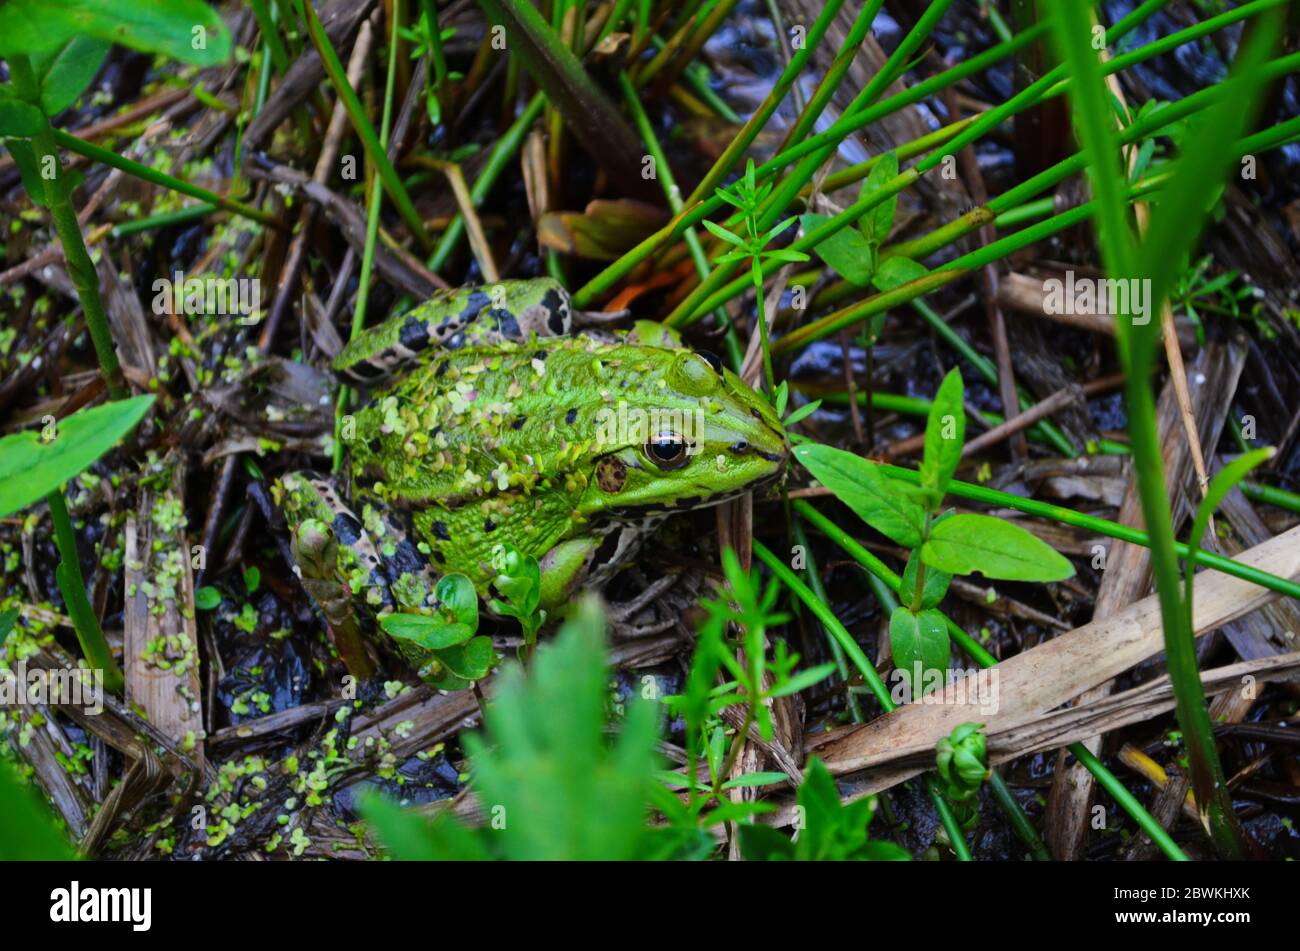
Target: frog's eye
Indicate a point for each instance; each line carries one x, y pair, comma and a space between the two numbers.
712, 359
667, 451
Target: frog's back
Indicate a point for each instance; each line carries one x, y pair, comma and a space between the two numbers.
455, 318
508, 418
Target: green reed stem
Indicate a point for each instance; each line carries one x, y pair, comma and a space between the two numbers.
73, 586
498, 159
58, 199
372, 231
669, 184
376, 152
143, 172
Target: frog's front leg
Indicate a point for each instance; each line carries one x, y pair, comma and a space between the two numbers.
588, 561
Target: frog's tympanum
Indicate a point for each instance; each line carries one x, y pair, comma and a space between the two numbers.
488, 421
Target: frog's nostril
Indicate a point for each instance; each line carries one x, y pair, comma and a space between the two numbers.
740, 445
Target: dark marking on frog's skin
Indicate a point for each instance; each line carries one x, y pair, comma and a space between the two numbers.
366, 371
478, 299
406, 559
440, 531
557, 309
439, 557
541, 355
347, 528
441, 369
608, 547
505, 323
414, 335
571, 416
489, 525
770, 456
518, 422
611, 473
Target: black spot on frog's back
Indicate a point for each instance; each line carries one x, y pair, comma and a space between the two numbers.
571, 416
505, 323
440, 531
555, 310
406, 559
476, 301
414, 334
346, 528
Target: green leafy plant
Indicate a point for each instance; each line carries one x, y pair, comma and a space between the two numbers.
854, 253
32, 467
1195, 184
519, 582
828, 829
552, 785
753, 680
748, 197
940, 544
961, 759
449, 632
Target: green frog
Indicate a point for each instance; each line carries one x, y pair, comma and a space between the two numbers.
492, 419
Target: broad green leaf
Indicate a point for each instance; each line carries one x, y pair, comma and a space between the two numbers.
877, 223
847, 252
933, 587
187, 30
28, 832
897, 271
31, 469
207, 598
918, 639
7, 621
883, 850
431, 633
20, 119
252, 579
471, 660
881, 502
66, 73
456, 595
965, 544
945, 434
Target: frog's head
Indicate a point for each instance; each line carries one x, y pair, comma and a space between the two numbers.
686, 433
